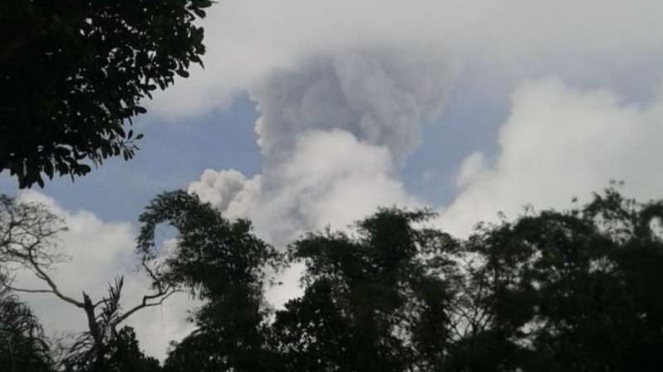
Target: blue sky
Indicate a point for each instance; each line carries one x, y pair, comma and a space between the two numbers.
314, 114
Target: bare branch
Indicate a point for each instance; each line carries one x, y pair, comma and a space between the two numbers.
25, 290
41, 274
162, 295
28, 234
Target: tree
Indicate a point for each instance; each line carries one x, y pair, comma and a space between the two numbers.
372, 302
375, 300
122, 355
23, 346
553, 290
28, 233
223, 264
73, 74
571, 290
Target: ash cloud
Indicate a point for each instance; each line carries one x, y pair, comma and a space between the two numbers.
381, 97
333, 130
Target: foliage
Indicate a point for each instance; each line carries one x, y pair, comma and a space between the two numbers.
122, 354
551, 291
23, 346
377, 301
567, 290
73, 72
572, 290
223, 264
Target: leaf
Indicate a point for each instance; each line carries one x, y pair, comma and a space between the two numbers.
83, 168
182, 73
48, 169
62, 151
92, 67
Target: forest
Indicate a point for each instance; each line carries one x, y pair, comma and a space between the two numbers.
552, 290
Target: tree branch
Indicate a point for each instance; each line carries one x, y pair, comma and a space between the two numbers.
41, 274
144, 304
5, 283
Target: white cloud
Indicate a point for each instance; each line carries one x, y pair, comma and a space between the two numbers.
378, 70
228, 190
98, 252
248, 40
471, 167
328, 179
557, 143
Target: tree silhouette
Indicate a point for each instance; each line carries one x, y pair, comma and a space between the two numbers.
23, 346
377, 300
28, 233
223, 264
553, 290
72, 74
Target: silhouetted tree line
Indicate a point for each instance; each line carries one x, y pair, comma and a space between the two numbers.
574, 290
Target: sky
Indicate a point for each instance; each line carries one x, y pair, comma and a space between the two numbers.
314, 114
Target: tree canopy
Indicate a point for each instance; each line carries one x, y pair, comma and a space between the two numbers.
225, 265
23, 346
553, 290
573, 290
72, 74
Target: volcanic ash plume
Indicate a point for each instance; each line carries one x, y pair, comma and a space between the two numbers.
332, 131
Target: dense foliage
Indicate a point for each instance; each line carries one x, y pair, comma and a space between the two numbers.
23, 347
572, 290
225, 265
72, 74
552, 291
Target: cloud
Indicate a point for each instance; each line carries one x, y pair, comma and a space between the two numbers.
560, 142
379, 70
590, 40
333, 131
228, 190
382, 97
329, 179
98, 252
471, 167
